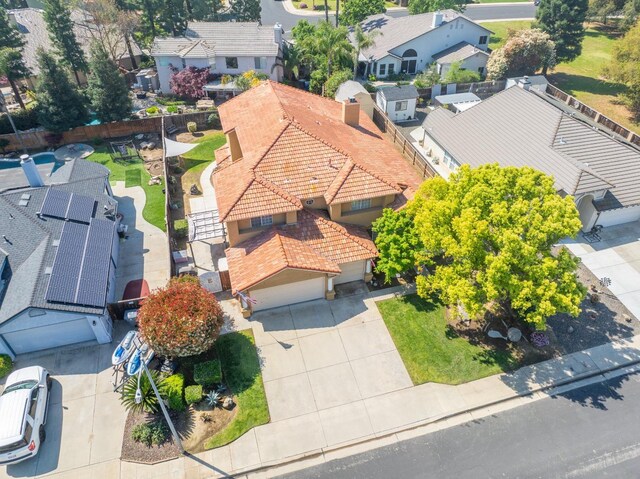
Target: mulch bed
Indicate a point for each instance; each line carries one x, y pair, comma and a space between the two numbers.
133, 451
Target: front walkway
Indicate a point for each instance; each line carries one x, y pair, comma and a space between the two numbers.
616, 257
145, 252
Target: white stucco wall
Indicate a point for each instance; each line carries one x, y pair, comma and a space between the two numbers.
427, 45
619, 216
479, 60
403, 115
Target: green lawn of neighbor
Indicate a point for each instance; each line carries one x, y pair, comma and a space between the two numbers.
331, 3
241, 370
431, 350
582, 77
133, 173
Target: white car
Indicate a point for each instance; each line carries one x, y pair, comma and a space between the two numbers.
23, 414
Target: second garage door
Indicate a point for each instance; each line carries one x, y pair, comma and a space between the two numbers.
49, 336
288, 293
353, 271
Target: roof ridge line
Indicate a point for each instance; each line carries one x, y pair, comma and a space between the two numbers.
276, 189
323, 141
350, 165
340, 229
377, 176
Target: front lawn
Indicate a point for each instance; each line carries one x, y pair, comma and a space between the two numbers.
241, 370
432, 351
582, 77
133, 173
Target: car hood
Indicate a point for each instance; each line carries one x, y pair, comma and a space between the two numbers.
32, 373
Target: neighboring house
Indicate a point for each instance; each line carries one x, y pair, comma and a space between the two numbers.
398, 102
353, 89
58, 255
457, 102
298, 183
30, 22
224, 47
526, 127
410, 44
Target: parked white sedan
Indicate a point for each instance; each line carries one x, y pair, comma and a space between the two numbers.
23, 414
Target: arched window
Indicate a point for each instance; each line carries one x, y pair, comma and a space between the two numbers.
409, 53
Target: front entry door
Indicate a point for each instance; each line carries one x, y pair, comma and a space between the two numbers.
408, 66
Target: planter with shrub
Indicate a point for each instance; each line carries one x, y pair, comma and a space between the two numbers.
181, 228
174, 387
207, 373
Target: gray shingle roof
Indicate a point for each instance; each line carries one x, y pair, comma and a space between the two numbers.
401, 92
397, 31
208, 39
524, 128
349, 89
34, 29
458, 52
30, 246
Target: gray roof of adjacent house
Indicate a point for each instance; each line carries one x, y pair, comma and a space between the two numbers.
400, 92
30, 22
208, 39
31, 239
395, 32
517, 127
349, 89
458, 52
457, 98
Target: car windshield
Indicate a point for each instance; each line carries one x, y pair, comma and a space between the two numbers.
21, 385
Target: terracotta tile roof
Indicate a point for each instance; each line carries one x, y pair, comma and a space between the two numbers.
355, 183
315, 243
297, 140
261, 198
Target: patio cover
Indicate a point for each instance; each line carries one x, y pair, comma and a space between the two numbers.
205, 225
175, 148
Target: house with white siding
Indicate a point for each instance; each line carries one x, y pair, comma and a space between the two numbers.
412, 43
226, 48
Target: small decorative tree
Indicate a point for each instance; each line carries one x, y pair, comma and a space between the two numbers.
182, 319
189, 83
525, 52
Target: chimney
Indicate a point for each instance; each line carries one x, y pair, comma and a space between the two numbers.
234, 145
524, 83
351, 112
438, 17
31, 171
277, 34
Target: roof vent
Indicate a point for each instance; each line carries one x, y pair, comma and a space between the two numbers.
24, 199
47, 270
55, 242
562, 141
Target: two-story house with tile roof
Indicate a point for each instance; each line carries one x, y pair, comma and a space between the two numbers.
298, 183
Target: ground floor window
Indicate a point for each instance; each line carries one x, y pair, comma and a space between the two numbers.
232, 62
383, 69
392, 67
402, 105
261, 221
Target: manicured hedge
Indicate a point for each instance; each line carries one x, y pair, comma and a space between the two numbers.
193, 394
174, 387
5, 365
207, 373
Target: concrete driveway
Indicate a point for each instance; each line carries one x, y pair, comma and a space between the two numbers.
85, 422
617, 257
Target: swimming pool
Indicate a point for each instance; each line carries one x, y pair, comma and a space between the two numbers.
38, 159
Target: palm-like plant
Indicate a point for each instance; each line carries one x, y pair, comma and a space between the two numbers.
290, 61
333, 43
149, 403
363, 40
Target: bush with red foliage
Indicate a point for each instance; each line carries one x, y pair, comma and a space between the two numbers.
188, 83
182, 319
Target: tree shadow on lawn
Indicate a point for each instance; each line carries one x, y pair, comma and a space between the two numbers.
572, 83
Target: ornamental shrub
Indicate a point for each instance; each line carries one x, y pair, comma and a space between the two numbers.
5, 365
192, 127
181, 228
150, 433
193, 394
207, 373
174, 391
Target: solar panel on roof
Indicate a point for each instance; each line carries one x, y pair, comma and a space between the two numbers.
56, 203
67, 264
81, 208
92, 286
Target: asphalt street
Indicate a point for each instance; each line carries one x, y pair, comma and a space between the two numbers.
273, 11
591, 432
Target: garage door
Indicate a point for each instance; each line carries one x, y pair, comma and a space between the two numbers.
288, 294
619, 216
350, 272
50, 336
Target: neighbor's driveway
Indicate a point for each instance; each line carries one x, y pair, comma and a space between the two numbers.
616, 257
85, 421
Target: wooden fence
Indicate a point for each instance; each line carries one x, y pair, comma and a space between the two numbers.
36, 139
408, 150
594, 115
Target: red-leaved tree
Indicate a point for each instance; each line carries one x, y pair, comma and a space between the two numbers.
181, 319
189, 82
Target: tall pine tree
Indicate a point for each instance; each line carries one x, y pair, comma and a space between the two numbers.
13, 68
60, 105
107, 90
9, 36
60, 27
246, 10
563, 20
173, 17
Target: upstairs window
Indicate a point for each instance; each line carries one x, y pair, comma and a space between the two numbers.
360, 204
260, 63
261, 221
232, 62
483, 40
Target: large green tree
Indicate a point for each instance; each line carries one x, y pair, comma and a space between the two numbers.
207, 10
417, 7
524, 53
457, 74
60, 26
355, 11
246, 10
172, 17
487, 236
108, 91
328, 47
625, 67
9, 36
398, 242
60, 105
12, 67
563, 20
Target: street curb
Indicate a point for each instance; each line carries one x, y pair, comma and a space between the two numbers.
316, 453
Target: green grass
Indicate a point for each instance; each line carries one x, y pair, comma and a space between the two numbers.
133, 173
195, 161
431, 350
583, 77
332, 4
241, 369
